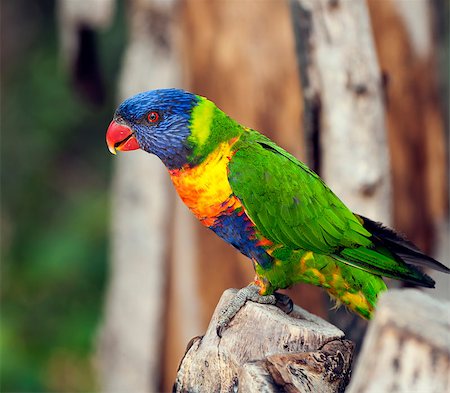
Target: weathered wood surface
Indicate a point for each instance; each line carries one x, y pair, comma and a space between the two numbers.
407, 346
265, 350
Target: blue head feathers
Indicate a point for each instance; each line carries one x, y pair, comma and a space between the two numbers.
160, 120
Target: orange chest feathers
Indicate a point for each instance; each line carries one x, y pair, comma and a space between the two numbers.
205, 188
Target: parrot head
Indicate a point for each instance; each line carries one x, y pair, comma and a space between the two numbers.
179, 127
157, 121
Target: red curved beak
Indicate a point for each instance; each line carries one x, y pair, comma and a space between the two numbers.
120, 137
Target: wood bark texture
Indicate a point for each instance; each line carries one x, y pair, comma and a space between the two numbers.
343, 100
265, 350
129, 345
407, 346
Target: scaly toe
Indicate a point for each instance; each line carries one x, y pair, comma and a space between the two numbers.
251, 292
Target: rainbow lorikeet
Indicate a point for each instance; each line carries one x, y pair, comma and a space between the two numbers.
266, 203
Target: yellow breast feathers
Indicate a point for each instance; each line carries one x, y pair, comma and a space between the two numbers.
205, 188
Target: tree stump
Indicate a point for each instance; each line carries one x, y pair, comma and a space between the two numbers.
407, 346
265, 350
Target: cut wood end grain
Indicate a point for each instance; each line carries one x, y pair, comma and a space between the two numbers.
264, 349
407, 346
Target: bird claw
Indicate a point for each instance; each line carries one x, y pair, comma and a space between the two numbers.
284, 302
250, 292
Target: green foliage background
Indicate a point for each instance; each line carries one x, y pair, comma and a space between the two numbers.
54, 194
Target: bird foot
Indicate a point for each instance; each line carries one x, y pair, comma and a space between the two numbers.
250, 292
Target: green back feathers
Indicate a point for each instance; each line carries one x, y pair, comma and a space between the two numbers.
382, 262
288, 202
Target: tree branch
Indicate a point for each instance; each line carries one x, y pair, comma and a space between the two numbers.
264, 349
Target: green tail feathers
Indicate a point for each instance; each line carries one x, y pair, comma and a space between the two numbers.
391, 256
381, 262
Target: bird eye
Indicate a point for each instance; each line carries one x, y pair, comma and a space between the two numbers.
153, 117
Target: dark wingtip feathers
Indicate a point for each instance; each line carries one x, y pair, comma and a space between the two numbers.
403, 248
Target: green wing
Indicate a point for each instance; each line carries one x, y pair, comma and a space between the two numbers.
291, 205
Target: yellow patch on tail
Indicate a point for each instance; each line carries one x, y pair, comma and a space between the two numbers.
358, 302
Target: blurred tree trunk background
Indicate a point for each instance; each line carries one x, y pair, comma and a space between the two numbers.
407, 46
242, 56
131, 333
166, 272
